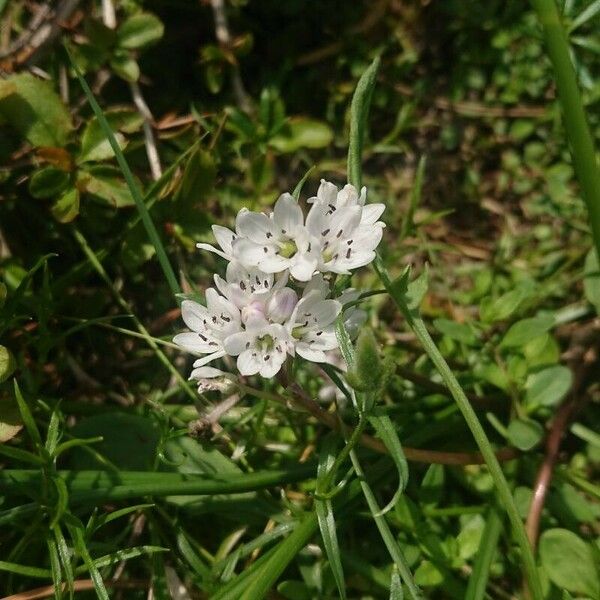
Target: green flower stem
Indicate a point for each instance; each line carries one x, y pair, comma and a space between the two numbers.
576, 126
420, 330
384, 530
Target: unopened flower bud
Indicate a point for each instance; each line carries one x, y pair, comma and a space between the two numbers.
282, 304
252, 311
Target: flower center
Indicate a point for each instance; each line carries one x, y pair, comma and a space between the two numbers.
265, 342
288, 248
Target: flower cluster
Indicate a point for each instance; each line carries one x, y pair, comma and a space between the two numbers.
275, 299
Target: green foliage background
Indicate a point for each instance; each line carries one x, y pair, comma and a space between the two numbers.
100, 479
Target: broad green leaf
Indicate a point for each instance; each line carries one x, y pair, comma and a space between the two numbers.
428, 575
66, 208
34, 109
48, 182
503, 307
105, 184
548, 387
302, 133
569, 562
129, 441
525, 434
10, 418
139, 31
7, 363
525, 330
461, 332
125, 67
541, 351
591, 281
95, 145
470, 535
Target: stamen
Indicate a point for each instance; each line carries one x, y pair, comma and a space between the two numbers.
242, 286
319, 332
339, 233
350, 242
225, 318
269, 235
332, 207
265, 249
325, 232
348, 252
247, 345
267, 357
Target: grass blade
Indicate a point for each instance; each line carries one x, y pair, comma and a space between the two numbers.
576, 125
481, 569
133, 188
28, 420
101, 486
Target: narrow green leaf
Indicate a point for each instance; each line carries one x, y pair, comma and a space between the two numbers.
396, 592
28, 420
65, 557
62, 500
483, 561
55, 567
359, 111
325, 515
25, 570
588, 13
298, 189
22, 455
415, 199
80, 546
389, 436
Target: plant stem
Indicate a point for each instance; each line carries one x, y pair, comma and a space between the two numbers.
576, 126
420, 330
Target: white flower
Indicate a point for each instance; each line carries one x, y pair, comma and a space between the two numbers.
277, 242
262, 348
333, 199
345, 243
312, 324
225, 238
210, 325
257, 294
212, 380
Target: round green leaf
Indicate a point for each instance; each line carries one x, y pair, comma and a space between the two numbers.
125, 67
461, 332
525, 330
7, 363
139, 31
548, 387
48, 182
569, 562
10, 419
302, 133
525, 434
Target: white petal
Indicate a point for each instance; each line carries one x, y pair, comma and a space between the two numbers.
257, 227
248, 364
287, 215
347, 196
318, 219
274, 263
346, 220
194, 315
324, 313
192, 342
271, 366
327, 192
370, 213
250, 253
206, 359
203, 246
236, 344
206, 373
224, 237
302, 266
309, 353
